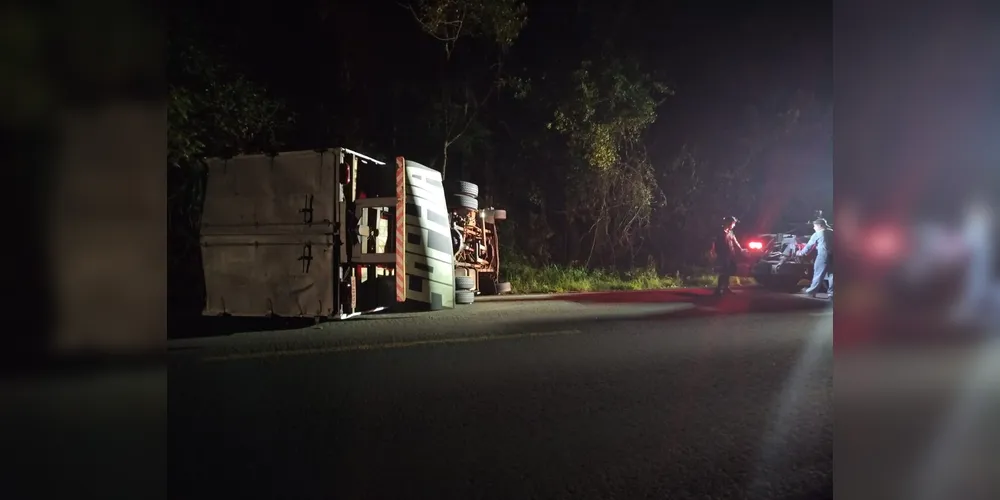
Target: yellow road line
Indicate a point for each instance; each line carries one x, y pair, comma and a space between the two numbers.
379, 347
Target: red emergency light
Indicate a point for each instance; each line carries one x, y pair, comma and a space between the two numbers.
755, 245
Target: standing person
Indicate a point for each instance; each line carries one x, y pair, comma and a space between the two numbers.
822, 242
977, 235
727, 250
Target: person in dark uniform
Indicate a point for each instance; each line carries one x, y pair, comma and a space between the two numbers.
727, 250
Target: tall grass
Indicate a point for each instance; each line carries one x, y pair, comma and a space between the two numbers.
527, 278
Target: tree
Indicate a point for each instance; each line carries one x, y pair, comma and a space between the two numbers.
448, 21
612, 183
498, 23
213, 111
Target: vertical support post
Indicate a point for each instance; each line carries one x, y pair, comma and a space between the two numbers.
400, 229
355, 272
372, 218
339, 232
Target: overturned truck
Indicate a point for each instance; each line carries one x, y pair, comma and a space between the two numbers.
334, 233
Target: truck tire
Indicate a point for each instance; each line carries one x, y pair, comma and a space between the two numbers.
464, 283
496, 215
464, 188
464, 297
463, 201
503, 287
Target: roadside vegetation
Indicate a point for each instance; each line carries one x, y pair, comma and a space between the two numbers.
552, 278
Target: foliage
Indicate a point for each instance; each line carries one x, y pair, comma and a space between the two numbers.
498, 22
216, 111
518, 86
475, 135
448, 21
455, 119
212, 111
683, 182
530, 278
609, 110
613, 185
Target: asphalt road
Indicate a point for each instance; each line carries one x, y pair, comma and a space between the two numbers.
622, 396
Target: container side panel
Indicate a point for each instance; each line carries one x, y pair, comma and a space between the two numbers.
262, 275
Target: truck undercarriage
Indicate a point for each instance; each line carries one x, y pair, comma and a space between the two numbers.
475, 243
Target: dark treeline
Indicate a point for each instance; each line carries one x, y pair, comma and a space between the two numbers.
616, 133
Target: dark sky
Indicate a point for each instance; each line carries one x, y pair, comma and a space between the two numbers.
720, 50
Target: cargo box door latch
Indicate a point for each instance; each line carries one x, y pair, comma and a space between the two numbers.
306, 258
307, 210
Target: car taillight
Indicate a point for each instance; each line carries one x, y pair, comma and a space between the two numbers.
755, 245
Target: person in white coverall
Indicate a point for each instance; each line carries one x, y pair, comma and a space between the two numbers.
822, 242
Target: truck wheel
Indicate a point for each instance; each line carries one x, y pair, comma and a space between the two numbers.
463, 201
464, 188
464, 283
464, 297
496, 215
503, 287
